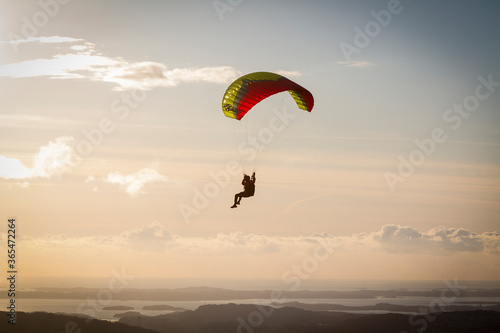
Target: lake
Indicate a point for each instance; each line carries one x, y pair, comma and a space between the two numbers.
73, 306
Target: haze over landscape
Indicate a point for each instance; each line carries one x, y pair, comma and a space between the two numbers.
119, 166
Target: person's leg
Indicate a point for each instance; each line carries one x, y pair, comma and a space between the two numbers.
237, 198
242, 195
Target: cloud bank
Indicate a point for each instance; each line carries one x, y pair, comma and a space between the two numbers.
391, 238
440, 240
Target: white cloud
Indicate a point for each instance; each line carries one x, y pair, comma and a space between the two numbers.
134, 182
12, 168
61, 66
147, 75
54, 158
154, 237
355, 63
289, 73
149, 237
79, 47
82, 61
22, 121
50, 160
90, 179
440, 240
49, 39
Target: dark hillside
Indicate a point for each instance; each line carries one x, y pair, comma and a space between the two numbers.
254, 319
42, 322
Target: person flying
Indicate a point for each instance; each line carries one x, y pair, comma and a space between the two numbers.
249, 189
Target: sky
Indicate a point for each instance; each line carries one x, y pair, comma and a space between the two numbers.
115, 154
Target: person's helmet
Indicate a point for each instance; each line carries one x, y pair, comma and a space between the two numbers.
246, 177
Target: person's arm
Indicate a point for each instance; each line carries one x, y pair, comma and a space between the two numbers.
253, 177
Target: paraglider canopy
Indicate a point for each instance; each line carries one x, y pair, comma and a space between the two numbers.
252, 88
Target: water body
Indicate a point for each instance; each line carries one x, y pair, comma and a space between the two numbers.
82, 306
73, 306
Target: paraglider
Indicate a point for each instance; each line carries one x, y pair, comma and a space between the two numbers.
240, 97
252, 88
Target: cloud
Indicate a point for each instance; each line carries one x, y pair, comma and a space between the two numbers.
149, 237
355, 63
61, 66
134, 182
227, 243
395, 238
12, 168
51, 160
154, 237
90, 179
147, 75
23, 121
49, 40
289, 73
82, 61
54, 158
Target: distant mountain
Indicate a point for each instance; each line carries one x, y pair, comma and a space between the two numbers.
128, 313
42, 322
471, 306
255, 319
162, 307
118, 307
